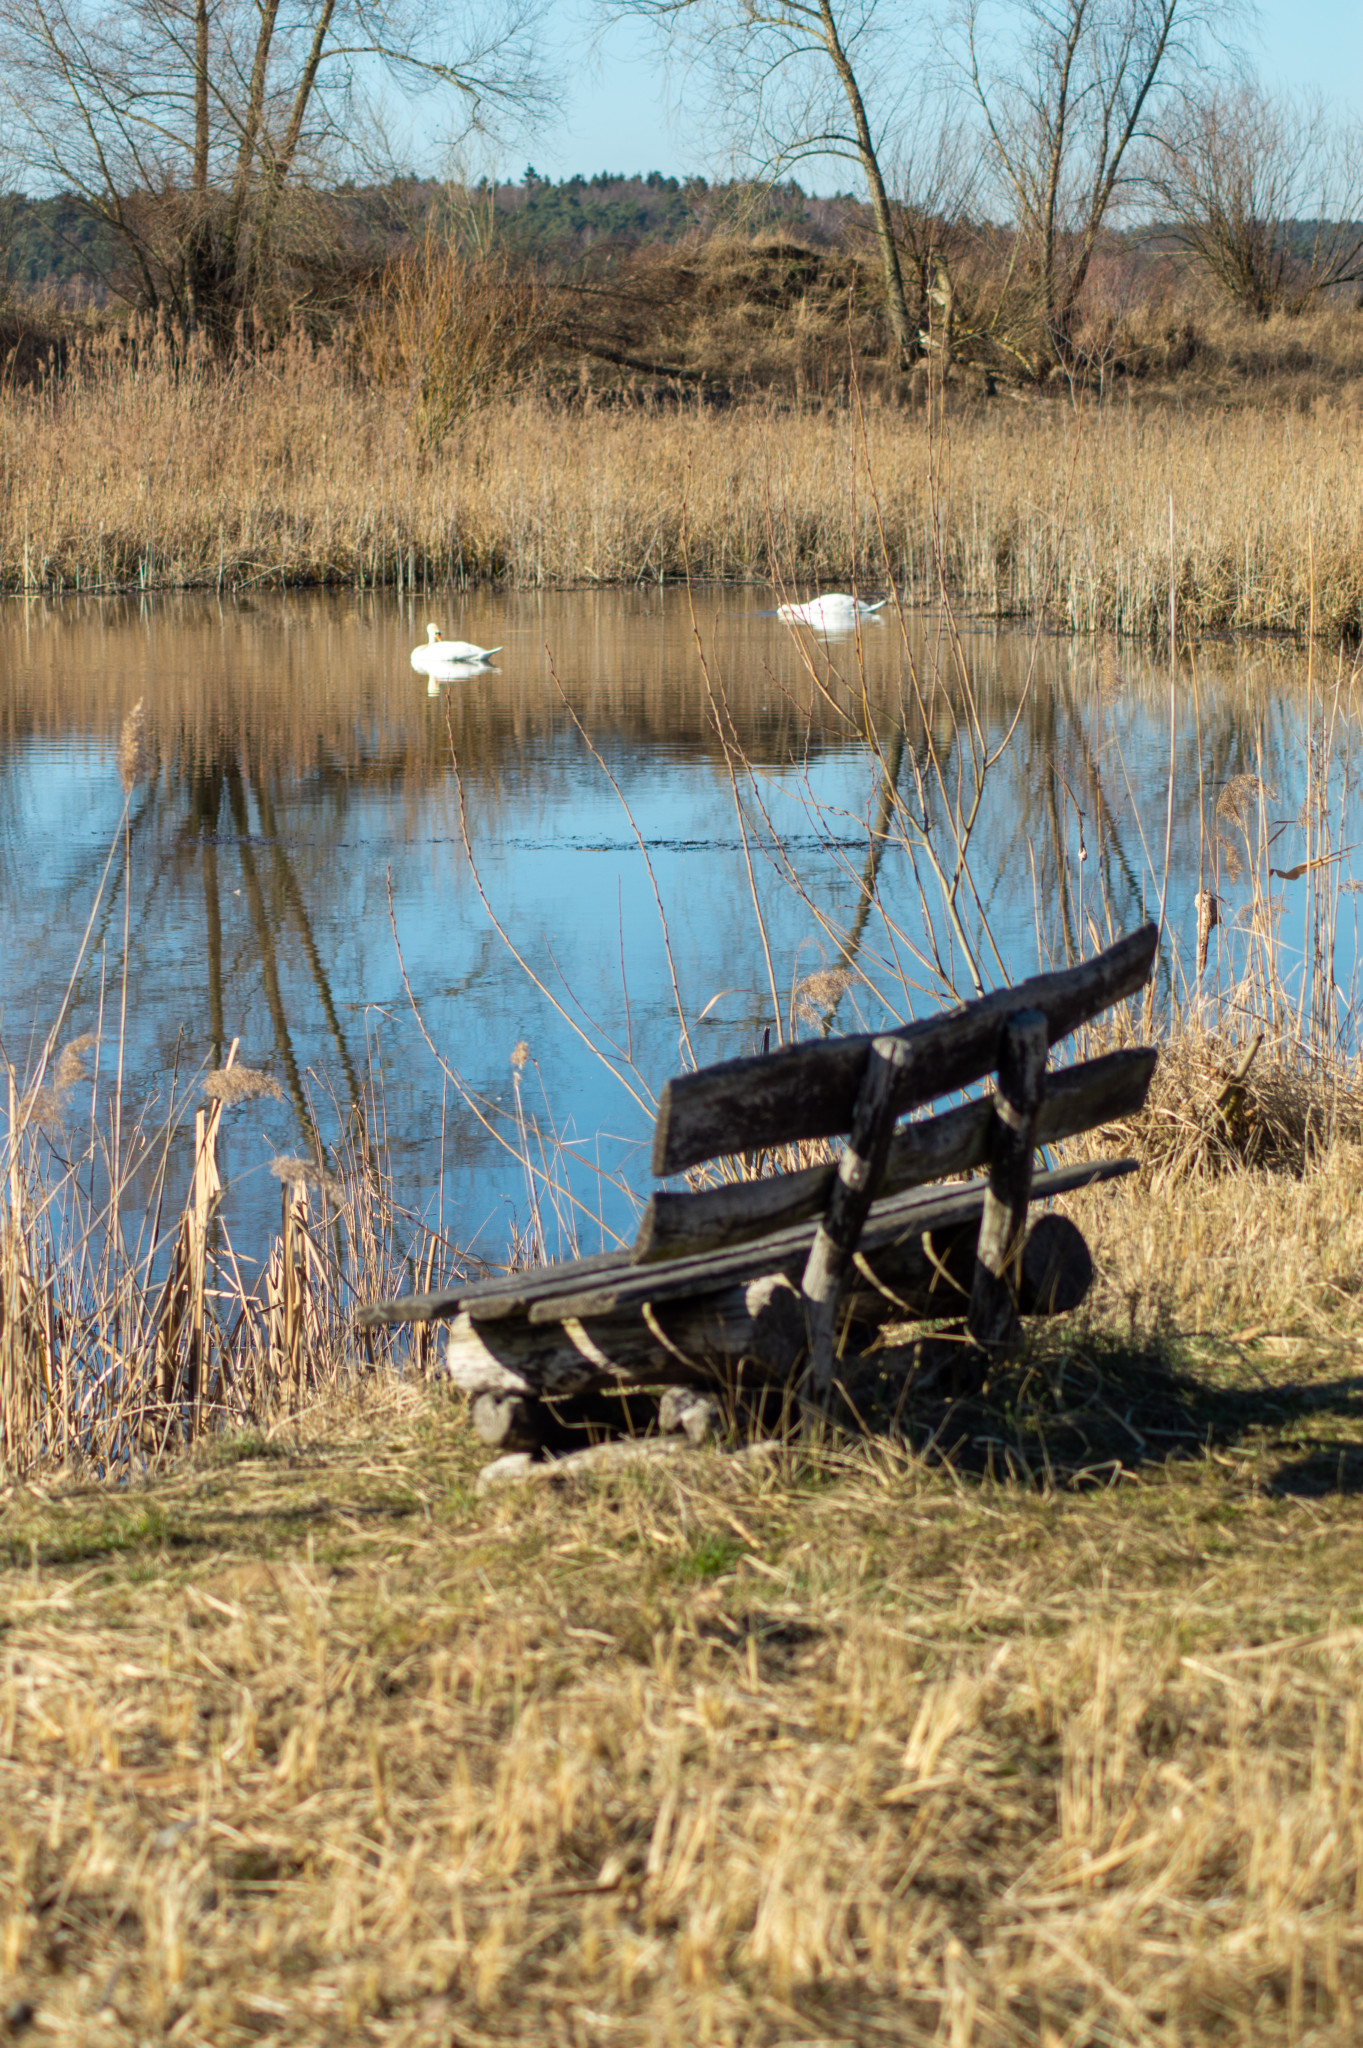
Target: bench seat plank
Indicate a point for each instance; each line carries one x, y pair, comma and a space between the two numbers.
648, 1332
581, 1286
785, 1251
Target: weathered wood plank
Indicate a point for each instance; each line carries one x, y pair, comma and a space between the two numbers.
908, 1215
520, 1468
860, 1172
698, 1340
513, 1288
810, 1090
993, 1319
549, 1291
1077, 1099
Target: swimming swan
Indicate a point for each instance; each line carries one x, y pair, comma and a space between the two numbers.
834, 612
439, 656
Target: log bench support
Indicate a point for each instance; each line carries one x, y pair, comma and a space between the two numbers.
993, 1322
993, 1319
860, 1171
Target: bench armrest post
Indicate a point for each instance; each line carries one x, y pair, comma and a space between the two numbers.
993, 1318
860, 1171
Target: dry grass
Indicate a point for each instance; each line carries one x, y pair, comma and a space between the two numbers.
145, 470
305, 1742
1217, 1104
448, 332
774, 314
118, 1346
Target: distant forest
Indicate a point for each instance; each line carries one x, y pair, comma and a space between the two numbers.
59, 244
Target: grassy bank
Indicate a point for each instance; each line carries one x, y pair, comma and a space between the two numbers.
138, 473
1038, 1725
306, 1741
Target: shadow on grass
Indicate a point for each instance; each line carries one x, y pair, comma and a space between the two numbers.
110, 1527
1076, 1417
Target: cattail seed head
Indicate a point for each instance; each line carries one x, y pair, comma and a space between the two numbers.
310, 1174
136, 754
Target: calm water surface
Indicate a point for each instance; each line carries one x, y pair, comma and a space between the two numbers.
304, 821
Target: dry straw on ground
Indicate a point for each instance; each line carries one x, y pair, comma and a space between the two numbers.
307, 1743
1218, 1104
1041, 1727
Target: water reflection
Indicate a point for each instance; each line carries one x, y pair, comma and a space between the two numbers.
835, 833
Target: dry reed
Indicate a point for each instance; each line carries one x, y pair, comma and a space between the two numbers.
122, 1342
154, 470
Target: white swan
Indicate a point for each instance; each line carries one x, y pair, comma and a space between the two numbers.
439, 656
834, 612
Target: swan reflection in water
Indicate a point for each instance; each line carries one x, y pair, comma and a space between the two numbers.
458, 672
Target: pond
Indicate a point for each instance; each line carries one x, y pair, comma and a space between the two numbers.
697, 831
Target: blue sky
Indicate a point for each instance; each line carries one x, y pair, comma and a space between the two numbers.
616, 115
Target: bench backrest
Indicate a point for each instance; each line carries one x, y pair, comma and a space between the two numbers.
811, 1090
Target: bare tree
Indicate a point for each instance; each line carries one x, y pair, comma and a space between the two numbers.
1066, 89
1266, 193
935, 171
186, 125
785, 77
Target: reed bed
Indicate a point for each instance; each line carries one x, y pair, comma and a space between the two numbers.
146, 469
131, 1327
128, 1326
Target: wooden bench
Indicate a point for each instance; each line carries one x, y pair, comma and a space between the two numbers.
766, 1274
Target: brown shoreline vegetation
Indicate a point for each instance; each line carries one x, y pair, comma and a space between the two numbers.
140, 465
308, 1741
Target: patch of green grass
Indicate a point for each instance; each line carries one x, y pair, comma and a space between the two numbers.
103, 1535
241, 1449
710, 1557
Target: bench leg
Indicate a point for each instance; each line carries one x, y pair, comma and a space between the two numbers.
860, 1171
993, 1318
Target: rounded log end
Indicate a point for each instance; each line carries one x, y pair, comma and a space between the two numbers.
507, 1471
508, 1422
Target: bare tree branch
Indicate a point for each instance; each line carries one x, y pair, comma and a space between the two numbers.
1265, 193
1066, 89
185, 124
787, 78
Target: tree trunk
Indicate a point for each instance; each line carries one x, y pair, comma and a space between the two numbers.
200, 98
896, 305
282, 162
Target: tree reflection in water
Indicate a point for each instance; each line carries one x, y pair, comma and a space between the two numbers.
301, 763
